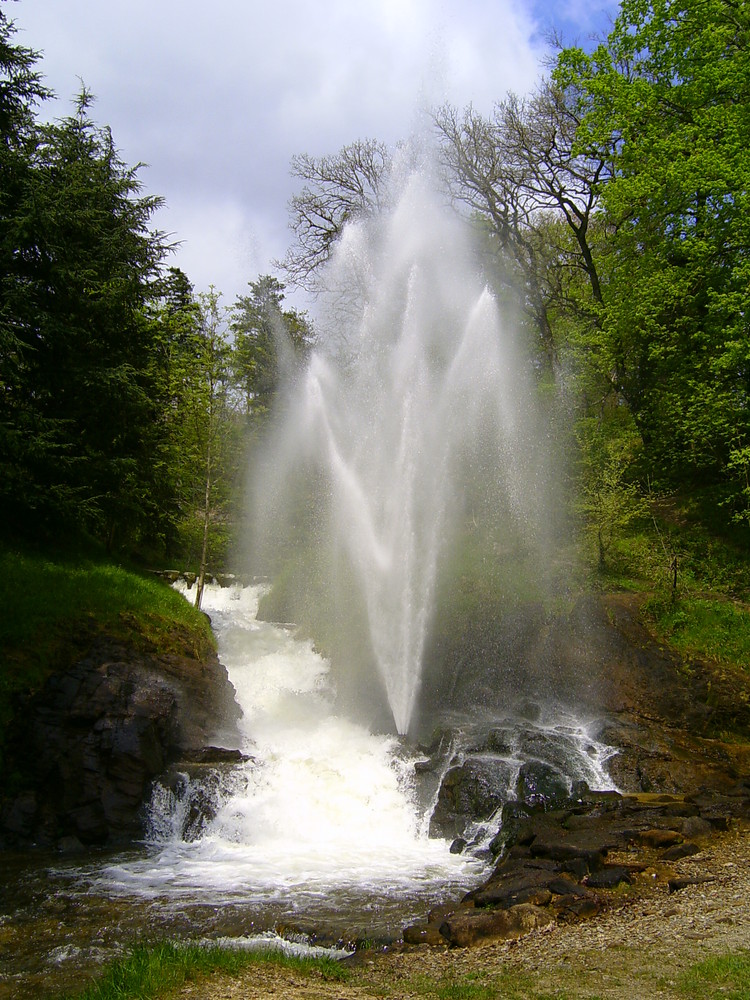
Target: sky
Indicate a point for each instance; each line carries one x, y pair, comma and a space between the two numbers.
216, 98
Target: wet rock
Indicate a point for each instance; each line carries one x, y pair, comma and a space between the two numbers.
473, 929
89, 744
70, 845
470, 791
541, 784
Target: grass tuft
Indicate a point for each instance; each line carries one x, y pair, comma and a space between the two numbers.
725, 976
149, 973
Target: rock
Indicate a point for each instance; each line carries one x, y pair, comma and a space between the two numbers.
482, 927
70, 845
541, 784
471, 790
577, 856
89, 744
676, 884
571, 909
696, 826
659, 839
680, 851
608, 877
566, 887
508, 896
424, 934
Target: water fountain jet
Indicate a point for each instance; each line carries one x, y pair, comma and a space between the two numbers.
408, 399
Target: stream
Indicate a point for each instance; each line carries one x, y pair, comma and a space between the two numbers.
316, 836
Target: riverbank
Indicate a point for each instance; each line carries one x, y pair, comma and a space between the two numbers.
650, 941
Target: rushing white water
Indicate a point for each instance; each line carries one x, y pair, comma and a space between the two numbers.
323, 819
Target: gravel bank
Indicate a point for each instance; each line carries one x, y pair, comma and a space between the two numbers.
637, 948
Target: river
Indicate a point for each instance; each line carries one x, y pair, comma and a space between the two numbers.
319, 837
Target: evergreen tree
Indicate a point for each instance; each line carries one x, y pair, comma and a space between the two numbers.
266, 337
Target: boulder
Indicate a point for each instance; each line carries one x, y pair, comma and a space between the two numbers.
471, 790
475, 928
660, 839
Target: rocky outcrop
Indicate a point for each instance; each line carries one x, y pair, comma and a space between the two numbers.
85, 749
567, 865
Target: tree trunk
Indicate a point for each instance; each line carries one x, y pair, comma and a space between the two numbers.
206, 519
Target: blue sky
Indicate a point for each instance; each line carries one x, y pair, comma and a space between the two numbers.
217, 98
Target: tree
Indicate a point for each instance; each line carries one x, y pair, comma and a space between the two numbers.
77, 399
610, 498
519, 173
264, 333
667, 102
337, 189
207, 434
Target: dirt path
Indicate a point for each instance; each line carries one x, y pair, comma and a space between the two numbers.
638, 948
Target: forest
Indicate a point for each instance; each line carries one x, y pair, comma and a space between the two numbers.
611, 211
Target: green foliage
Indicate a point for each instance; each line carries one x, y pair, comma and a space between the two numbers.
718, 630
76, 415
53, 607
207, 432
149, 973
267, 340
665, 99
610, 500
725, 976
739, 466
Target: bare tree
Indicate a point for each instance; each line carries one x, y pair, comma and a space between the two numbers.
345, 186
521, 172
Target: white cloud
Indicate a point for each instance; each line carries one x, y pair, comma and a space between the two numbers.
217, 98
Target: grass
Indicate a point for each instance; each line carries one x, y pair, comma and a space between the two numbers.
707, 613
148, 973
706, 627
53, 607
725, 976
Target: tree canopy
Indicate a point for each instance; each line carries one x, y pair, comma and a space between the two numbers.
611, 204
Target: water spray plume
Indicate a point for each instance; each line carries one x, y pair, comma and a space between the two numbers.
412, 394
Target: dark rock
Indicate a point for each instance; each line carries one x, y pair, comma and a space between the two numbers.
587, 857
608, 877
680, 851
458, 845
472, 790
541, 784
89, 744
566, 887
70, 845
